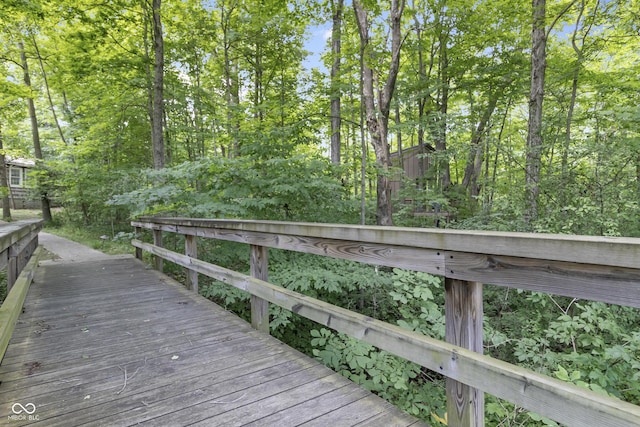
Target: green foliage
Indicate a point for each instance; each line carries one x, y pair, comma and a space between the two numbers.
296, 188
83, 190
420, 302
3, 286
591, 344
233, 256
43, 181
393, 378
332, 280
422, 200
347, 284
410, 299
606, 352
226, 296
103, 238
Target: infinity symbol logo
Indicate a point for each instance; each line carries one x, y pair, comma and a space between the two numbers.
18, 408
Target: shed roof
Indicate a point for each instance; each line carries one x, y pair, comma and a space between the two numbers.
19, 161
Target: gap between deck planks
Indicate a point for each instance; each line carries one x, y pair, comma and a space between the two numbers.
110, 342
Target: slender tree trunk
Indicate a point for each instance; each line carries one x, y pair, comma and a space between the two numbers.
147, 63
440, 129
474, 163
638, 175
363, 145
377, 114
157, 136
46, 85
231, 92
44, 198
336, 119
199, 150
257, 84
399, 136
30, 104
4, 184
536, 97
422, 103
489, 197
422, 166
572, 103
168, 152
567, 131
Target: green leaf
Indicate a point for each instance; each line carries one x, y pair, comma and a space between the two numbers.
562, 374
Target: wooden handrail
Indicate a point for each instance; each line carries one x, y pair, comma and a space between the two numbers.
12, 232
461, 260
613, 251
595, 268
18, 240
19, 252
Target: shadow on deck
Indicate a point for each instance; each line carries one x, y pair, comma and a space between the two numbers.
110, 342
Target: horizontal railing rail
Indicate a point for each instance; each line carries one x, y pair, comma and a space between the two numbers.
19, 253
593, 268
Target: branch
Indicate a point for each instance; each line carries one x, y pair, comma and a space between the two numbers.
555, 21
5, 59
397, 7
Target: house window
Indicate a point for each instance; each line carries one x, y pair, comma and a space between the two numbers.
15, 177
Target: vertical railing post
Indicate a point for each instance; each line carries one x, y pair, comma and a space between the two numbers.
139, 236
5, 262
12, 269
18, 255
463, 317
157, 241
191, 250
259, 270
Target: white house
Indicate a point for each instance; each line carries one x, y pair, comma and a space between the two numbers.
18, 177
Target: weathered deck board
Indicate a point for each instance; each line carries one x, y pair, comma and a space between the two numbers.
88, 326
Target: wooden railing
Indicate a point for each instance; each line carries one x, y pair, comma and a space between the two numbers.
593, 268
19, 253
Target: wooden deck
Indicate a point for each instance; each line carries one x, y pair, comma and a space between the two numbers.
110, 343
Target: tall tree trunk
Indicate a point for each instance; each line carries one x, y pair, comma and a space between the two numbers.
377, 113
46, 85
199, 150
474, 163
536, 97
257, 84
4, 184
488, 197
147, 64
157, 137
44, 198
231, 91
638, 175
336, 119
30, 104
363, 144
572, 102
399, 136
422, 102
422, 166
438, 129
